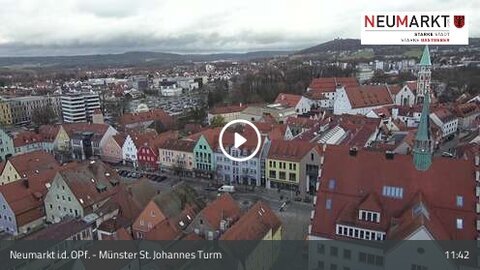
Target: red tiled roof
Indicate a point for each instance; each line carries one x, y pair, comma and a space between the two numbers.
288, 100
85, 178
120, 138
227, 109
25, 196
156, 141
289, 150
301, 122
26, 203
163, 231
178, 145
153, 115
369, 172
60, 231
224, 207
49, 132
330, 83
444, 115
464, 110
368, 96
26, 137
211, 135
394, 89
254, 224
33, 163
98, 129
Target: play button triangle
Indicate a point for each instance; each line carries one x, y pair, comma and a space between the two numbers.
239, 140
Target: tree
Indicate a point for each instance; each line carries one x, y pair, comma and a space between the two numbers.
196, 115
44, 116
217, 121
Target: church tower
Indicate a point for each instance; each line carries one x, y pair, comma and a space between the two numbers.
422, 149
423, 77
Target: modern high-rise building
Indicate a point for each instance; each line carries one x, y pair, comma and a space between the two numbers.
79, 107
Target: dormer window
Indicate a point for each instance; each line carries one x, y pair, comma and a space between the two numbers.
369, 216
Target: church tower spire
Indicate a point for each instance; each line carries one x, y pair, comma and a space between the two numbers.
424, 75
422, 149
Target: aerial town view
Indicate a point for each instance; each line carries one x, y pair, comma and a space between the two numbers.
181, 122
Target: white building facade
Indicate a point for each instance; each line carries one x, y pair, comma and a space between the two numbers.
79, 107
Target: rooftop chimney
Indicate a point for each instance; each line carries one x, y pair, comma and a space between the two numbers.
353, 151
26, 183
389, 155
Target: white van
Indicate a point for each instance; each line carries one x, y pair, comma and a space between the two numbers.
227, 188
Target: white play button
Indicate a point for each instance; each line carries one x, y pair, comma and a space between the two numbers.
239, 140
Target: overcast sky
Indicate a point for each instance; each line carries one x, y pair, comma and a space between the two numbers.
59, 27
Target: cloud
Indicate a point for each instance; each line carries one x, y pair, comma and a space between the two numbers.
93, 26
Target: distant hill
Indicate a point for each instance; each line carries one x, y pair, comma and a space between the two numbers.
338, 45
130, 59
335, 45
148, 58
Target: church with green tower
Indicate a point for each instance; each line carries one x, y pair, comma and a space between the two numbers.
422, 149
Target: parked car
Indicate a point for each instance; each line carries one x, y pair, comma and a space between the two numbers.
212, 187
447, 154
227, 188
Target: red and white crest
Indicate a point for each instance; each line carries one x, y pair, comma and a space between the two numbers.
459, 21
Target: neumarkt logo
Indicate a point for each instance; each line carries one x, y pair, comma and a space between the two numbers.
403, 28
405, 21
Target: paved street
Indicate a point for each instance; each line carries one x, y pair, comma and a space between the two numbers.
295, 217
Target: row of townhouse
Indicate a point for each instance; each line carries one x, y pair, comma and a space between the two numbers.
37, 191
75, 140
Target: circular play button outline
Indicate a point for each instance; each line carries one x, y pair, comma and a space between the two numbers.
240, 121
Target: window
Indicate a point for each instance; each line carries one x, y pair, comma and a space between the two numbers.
347, 254
292, 176
328, 204
321, 249
362, 257
312, 156
392, 192
459, 223
272, 174
459, 201
333, 251
282, 176
331, 184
